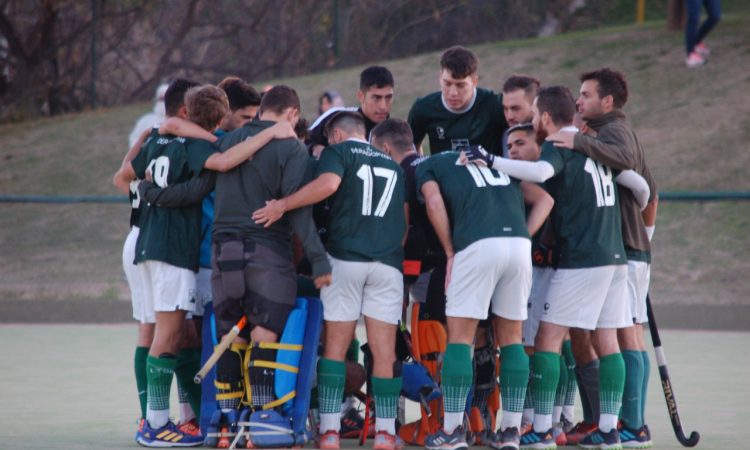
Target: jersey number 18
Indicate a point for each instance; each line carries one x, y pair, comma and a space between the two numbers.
601, 175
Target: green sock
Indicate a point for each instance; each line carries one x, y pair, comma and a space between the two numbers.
331, 377
631, 396
611, 383
188, 364
570, 366
544, 384
385, 391
644, 391
141, 377
457, 376
562, 384
514, 377
160, 373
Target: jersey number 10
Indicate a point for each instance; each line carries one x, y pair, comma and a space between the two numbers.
601, 175
366, 173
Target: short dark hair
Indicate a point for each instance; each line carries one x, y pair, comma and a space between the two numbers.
396, 132
174, 98
349, 121
279, 98
610, 82
240, 93
459, 61
529, 85
558, 102
377, 76
206, 106
528, 127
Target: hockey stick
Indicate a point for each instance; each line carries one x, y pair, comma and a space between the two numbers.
666, 383
219, 350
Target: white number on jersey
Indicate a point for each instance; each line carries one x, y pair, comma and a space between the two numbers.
601, 175
483, 176
136, 202
366, 173
159, 169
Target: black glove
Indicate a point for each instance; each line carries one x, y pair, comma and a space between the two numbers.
478, 153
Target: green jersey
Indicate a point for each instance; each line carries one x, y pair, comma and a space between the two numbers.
483, 123
481, 202
171, 235
367, 221
586, 216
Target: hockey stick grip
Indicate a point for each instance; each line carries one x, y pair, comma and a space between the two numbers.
221, 347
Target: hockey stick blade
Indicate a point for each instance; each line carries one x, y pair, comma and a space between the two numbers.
666, 383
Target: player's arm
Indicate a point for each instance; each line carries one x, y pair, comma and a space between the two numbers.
242, 151
179, 195
313, 192
541, 205
182, 127
125, 174
440, 222
534, 171
418, 131
637, 185
612, 147
649, 215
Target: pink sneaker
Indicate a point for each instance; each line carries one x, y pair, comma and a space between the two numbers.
694, 60
385, 441
701, 49
329, 440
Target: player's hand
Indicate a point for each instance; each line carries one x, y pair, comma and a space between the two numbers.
477, 154
283, 130
270, 213
323, 280
149, 176
562, 139
448, 269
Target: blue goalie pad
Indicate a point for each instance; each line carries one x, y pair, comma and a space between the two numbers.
418, 385
287, 428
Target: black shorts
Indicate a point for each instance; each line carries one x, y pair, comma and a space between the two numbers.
251, 279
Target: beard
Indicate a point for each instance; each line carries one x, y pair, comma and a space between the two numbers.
541, 135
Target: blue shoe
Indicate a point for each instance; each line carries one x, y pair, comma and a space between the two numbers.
638, 438
138, 432
167, 436
601, 441
538, 441
507, 439
444, 441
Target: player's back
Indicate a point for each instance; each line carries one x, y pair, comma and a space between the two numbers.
586, 214
367, 221
481, 202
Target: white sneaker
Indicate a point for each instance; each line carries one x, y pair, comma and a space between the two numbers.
701, 49
694, 60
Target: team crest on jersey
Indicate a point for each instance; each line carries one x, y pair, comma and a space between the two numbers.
440, 132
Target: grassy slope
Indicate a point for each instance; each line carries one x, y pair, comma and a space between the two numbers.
693, 124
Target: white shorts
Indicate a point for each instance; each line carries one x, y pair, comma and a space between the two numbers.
588, 298
493, 271
360, 288
540, 279
639, 276
143, 309
167, 287
203, 293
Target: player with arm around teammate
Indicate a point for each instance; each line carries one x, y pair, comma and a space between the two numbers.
367, 228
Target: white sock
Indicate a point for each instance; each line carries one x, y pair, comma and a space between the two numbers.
511, 419
556, 411
186, 413
452, 420
330, 422
347, 404
607, 422
542, 422
569, 412
528, 416
157, 418
385, 424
